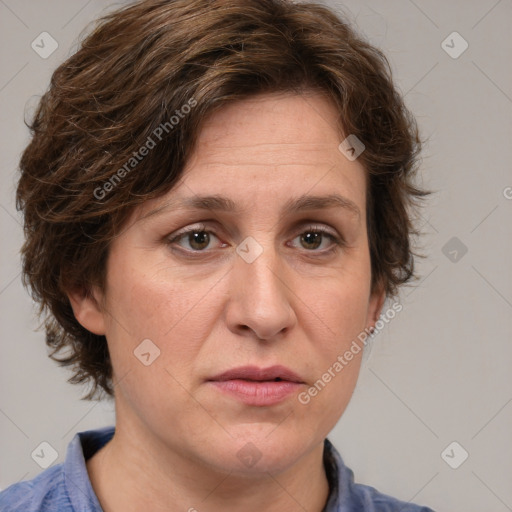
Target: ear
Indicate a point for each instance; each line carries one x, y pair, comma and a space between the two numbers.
377, 298
87, 310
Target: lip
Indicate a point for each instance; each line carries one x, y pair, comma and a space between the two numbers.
258, 386
259, 374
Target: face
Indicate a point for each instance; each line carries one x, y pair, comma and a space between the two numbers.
256, 264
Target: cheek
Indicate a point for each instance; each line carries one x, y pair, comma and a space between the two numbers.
338, 306
338, 314
152, 305
335, 358
156, 304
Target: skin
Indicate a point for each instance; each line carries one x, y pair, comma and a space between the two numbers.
298, 304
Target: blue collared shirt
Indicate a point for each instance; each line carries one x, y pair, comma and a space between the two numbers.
66, 487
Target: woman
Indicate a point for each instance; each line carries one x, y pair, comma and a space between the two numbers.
217, 204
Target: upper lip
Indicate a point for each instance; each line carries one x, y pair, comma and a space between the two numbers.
258, 374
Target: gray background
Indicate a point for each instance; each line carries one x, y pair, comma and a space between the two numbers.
440, 371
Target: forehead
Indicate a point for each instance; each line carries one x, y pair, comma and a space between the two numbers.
278, 146
279, 119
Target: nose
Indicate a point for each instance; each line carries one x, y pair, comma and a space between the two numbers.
260, 298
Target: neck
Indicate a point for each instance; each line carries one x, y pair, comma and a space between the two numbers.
126, 472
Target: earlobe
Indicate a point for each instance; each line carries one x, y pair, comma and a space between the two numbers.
87, 311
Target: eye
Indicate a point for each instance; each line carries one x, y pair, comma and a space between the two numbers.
314, 238
199, 239
195, 239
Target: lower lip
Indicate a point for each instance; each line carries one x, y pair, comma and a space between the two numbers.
258, 393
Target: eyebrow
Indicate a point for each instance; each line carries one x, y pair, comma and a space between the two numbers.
224, 204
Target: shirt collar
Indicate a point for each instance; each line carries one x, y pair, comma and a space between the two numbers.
76, 478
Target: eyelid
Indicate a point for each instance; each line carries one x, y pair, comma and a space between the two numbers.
315, 226
195, 227
312, 226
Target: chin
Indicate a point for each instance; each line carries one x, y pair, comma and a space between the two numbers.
258, 448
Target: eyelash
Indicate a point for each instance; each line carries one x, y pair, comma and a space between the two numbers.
336, 241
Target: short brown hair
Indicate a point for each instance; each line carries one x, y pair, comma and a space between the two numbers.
81, 175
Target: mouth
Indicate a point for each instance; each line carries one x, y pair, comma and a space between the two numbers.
255, 374
258, 386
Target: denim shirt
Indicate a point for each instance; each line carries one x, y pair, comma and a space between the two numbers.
66, 487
